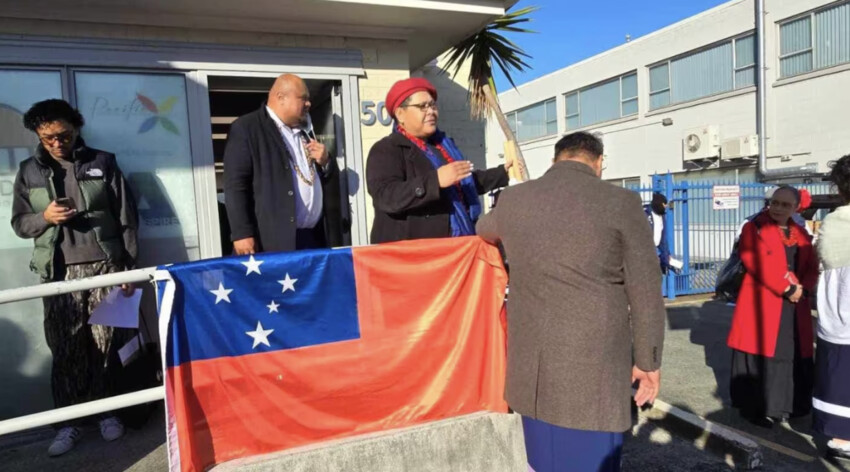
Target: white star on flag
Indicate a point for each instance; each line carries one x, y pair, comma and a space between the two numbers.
288, 283
253, 265
221, 293
260, 335
273, 307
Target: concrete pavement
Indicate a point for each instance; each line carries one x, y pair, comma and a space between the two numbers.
695, 378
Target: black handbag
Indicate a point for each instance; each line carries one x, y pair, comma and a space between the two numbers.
731, 274
730, 277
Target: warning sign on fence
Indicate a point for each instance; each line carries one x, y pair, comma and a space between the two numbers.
726, 197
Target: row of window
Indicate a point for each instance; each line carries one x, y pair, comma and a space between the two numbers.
817, 40
722, 68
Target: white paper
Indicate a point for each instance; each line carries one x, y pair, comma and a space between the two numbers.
129, 351
117, 310
676, 264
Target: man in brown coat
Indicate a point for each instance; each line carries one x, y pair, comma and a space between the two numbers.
585, 313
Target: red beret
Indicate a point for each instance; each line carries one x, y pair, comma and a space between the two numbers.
805, 199
405, 88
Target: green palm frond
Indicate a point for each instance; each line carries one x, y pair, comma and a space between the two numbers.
484, 49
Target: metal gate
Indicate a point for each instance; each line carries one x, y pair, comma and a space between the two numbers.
701, 236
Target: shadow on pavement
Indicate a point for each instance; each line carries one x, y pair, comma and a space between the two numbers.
708, 324
652, 448
139, 450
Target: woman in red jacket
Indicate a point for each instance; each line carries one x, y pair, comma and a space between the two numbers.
771, 335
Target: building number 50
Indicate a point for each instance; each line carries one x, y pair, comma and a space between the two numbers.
372, 116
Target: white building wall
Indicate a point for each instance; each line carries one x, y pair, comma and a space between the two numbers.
807, 118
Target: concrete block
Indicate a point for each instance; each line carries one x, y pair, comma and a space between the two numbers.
491, 442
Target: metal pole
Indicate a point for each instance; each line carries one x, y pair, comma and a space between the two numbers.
68, 286
671, 233
684, 211
761, 106
45, 418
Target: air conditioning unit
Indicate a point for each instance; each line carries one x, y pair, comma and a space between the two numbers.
701, 143
740, 147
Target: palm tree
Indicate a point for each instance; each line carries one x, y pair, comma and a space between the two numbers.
482, 49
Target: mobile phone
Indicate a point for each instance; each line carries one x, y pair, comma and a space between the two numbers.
66, 202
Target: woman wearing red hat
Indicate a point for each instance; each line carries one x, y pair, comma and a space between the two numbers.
420, 183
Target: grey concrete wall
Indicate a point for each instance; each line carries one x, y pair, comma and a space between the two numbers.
485, 442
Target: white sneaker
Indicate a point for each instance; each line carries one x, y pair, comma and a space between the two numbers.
111, 428
837, 449
65, 440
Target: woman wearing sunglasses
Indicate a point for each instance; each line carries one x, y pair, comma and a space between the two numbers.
74, 203
771, 333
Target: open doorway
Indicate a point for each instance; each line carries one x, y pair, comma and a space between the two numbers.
231, 97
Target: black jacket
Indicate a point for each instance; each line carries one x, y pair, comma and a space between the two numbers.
406, 194
259, 192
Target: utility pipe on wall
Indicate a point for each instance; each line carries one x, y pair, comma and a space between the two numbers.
761, 105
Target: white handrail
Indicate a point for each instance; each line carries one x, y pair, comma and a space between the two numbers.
57, 415
68, 286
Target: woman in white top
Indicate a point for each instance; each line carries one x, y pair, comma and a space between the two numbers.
831, 400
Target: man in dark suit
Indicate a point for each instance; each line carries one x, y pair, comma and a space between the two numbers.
585, 314
281, 188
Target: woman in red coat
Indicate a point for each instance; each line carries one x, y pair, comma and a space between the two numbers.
771, 335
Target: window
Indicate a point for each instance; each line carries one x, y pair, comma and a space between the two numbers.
19, 90
628, 95
143, 119
795, 48
603, 102
745, 62
572, 111
720, 68
533, 122
631, 183
659, 86
818, 40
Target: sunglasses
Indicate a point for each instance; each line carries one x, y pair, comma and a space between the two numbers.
63, 138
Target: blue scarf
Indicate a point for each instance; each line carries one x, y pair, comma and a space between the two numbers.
462, 220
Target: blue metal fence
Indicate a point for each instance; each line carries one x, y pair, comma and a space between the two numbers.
700, 236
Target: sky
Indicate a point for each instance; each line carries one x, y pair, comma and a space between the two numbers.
569, 31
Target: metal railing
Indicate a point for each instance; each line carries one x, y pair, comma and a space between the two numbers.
701, 236
45, 418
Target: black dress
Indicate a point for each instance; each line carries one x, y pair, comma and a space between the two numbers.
778, 386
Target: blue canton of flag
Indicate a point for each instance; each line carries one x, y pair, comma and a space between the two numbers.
261, 303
